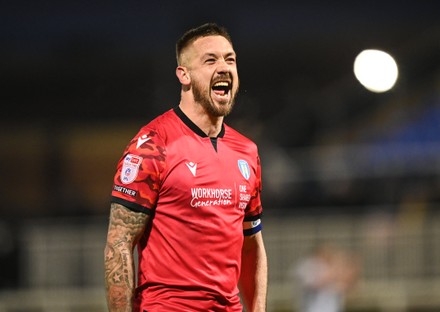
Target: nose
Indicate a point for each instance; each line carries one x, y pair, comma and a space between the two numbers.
223, 67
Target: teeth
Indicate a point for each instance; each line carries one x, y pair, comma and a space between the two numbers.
221, 84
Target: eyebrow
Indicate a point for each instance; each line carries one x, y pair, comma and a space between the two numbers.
210, 54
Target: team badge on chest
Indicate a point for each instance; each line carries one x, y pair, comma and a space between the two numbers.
130, 168
244, 168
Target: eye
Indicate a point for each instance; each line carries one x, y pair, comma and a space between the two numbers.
230, 60
210, 61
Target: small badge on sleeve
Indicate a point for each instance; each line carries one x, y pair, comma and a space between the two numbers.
130, 168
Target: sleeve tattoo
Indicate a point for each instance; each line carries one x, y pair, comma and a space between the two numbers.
125, 228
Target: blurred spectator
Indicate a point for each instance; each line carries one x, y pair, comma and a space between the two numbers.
325, 277
8, 256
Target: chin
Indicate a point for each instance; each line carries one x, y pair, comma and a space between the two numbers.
226, 109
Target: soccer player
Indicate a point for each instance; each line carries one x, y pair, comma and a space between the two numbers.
186, 193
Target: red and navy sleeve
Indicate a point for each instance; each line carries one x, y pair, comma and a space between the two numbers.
252, 220
138, 175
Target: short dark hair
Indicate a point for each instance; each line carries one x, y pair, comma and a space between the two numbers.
205, 30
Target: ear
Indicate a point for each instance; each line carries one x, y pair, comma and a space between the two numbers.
183, 75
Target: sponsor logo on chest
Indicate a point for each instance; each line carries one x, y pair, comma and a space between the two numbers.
238, 194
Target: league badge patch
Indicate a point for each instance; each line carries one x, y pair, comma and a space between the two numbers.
244, 168
130, 168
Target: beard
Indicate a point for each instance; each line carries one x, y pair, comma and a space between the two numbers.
203, 97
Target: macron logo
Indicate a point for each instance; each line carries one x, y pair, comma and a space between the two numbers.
192, 167
141, 140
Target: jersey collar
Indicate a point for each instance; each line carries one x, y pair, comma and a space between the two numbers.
193, 126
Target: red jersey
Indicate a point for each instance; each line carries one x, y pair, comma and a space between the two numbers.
203, 196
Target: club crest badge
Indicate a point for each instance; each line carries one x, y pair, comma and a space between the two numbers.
244, 168
130, 168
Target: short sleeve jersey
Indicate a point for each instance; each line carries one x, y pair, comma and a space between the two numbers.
203, 196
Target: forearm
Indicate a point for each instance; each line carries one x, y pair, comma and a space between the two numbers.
119, 278
125, 228
253, 279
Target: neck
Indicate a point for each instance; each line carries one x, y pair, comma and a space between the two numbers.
210, 125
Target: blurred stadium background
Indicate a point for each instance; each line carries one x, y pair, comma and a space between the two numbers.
340, 163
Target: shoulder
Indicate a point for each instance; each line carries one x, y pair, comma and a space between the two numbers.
152, 137
158, 128
235, 136
161, 122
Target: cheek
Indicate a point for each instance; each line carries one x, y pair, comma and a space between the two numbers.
237, 83
235, 77
202, 79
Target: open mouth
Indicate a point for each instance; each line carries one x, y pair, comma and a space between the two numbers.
222, 88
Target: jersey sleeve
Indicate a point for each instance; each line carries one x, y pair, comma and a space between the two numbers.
252, 219
139, 171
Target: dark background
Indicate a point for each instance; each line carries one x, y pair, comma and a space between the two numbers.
80, 77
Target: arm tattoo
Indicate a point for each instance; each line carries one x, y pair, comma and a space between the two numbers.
124, 231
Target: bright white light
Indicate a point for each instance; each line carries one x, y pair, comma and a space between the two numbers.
376, 70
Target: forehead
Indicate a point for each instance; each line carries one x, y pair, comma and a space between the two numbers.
211, 45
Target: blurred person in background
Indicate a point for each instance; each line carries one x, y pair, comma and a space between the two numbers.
187, 193
325, 278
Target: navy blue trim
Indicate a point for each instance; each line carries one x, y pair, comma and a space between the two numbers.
130, 205
214, 143
193, 126
254, 230
252, 218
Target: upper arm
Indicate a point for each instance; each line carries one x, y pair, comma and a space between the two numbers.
252, 242
125, 225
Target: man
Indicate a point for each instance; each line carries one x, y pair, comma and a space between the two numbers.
326, 276
187, 194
